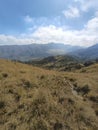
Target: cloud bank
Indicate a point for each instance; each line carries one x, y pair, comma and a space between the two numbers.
58, 28
45, 34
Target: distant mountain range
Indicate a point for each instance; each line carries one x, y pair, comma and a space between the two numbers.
36, 51
87, 53
33, 51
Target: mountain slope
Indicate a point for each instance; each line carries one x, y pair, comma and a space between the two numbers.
61, 63
36, 99
33, 51
89, 53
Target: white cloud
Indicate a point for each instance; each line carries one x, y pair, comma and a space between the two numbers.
28, 19
45, 34
85, 5
85, 37
11, 40
93, 25
72, 12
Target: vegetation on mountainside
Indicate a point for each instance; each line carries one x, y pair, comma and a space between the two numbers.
32, 98
62, 63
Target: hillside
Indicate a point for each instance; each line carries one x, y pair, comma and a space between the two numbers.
88, 53
33, 51
32, 98
61, 63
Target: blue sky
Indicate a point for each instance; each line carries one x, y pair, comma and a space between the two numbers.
72, 22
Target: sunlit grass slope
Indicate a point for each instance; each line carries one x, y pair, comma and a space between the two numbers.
32, 98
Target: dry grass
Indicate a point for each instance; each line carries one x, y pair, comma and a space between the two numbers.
36, 99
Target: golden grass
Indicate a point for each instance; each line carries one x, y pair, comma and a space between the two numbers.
32, 98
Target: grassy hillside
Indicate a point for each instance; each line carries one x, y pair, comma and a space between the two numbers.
61, 63
32, 98
66, 63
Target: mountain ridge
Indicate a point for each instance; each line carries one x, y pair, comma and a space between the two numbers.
36, 51
33, 51
88, 53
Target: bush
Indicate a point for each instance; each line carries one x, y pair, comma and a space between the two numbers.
84, 90
2, 104
58, 126
26, 83
88, 63
94, 99
17, 98
42, 77
5, 75
75, 85
12, 127
96, 112
71, 101
72, 79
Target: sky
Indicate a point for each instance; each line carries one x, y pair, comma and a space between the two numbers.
73, 22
